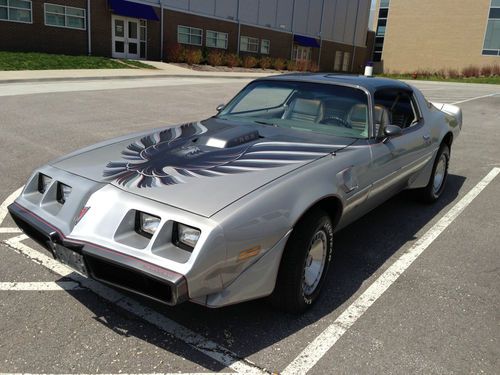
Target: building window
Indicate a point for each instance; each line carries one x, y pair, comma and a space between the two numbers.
189, 35
491, 45
301, 53
216, 39
15, 11
248, 44
383, 13
346, 62
338, 61
265, 46
64, 16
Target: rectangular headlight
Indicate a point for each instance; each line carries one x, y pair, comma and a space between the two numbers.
185, 236
43, 182
146, 224
63, 192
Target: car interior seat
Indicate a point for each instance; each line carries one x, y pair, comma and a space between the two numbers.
303, 109
358, 118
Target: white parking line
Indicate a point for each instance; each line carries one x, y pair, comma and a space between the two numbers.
11, 198
123, 373
475, 98
193, 339
39, 286
320, 346
10, 230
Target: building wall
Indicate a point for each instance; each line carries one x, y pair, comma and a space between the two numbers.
433, 35
344, 25
297, 16
36, 37
101, 28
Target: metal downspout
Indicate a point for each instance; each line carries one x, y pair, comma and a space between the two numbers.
354, 38
89, 32
321, 34
239, 28
291, 29
162, 31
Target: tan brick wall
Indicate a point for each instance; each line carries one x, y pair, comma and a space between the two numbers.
435, 34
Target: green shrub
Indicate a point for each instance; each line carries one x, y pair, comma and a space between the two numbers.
291, 65
278, 64
176, 53
470, 71
265, 62
215, 58
194, 56
232, 60
249, 61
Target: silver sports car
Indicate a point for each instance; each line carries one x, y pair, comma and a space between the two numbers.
244, 204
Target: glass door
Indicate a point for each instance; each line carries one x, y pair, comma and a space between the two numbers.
126, 38
132, 39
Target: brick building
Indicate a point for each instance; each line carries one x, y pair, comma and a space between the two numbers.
432, 35
331, 33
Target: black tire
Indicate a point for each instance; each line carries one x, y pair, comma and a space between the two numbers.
290, 292
430, 193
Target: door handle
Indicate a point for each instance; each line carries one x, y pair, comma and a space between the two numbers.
426, 137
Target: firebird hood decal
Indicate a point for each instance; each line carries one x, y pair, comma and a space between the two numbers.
170, 156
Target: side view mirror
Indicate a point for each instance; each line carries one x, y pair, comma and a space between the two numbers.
220, 107
391, 131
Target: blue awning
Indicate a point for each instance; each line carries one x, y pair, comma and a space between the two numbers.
305, 41
131, 9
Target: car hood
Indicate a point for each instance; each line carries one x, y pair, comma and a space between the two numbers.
200, 167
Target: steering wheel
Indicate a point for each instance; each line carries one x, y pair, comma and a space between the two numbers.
335, 120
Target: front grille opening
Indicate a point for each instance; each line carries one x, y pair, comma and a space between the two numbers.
31, 232
134, 281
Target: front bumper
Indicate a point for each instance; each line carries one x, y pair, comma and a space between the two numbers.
103, 264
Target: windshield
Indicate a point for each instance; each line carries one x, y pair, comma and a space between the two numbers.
314, 107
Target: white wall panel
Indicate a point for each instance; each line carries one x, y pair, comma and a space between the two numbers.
284, 14
300, 17
339, 16
179, 4
340, 20
350, 21
362, 24
249, 11
202, 6
267, 13
328, 18
225, 8
314, 17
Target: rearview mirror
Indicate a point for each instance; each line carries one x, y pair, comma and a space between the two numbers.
391, 131
220, 107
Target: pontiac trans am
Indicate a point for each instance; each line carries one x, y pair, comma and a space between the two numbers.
244, 204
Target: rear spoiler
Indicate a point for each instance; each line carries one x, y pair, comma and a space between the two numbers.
451, 110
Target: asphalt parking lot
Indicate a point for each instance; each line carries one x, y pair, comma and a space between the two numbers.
441, 315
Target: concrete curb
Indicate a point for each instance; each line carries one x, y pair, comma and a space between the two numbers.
59, 79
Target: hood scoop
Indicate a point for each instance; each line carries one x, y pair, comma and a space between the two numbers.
231, 137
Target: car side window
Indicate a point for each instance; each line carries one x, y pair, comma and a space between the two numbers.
394, 107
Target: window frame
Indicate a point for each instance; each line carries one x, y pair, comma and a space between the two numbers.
257, 44
216, 38
65, 26
268, 46
417, 112
190, 34
8, 7
489, 51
